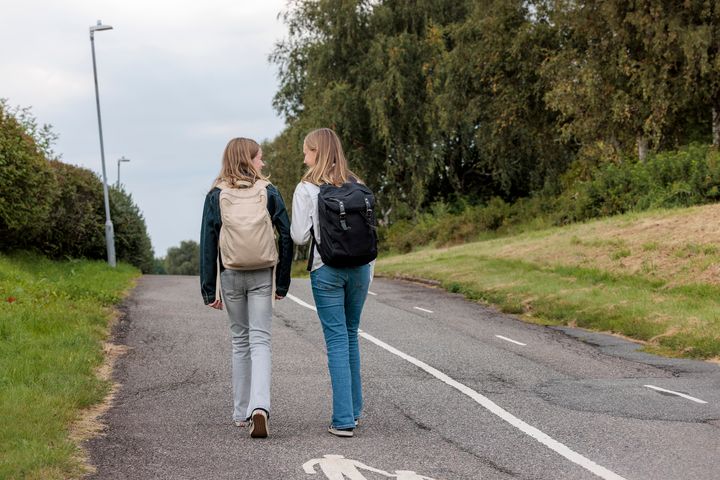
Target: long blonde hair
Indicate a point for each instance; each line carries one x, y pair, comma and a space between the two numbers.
331, 166
237, 163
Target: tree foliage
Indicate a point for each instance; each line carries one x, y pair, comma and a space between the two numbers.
436, 100
183, 259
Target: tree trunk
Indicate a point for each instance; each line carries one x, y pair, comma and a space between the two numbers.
716, 127
642, 143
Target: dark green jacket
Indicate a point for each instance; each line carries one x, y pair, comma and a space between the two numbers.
210, 233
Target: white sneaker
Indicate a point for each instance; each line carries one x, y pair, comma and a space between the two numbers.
259, 424
240, 423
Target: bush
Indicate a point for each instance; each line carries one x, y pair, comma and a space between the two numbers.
27, 186
76, 227
56, 208
682, 178
132, 243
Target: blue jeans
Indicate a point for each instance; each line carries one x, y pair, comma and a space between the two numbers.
339, 295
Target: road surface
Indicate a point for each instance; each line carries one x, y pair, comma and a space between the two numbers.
453, 390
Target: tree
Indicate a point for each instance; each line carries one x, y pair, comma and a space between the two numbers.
497, 135
184, 259
618, 79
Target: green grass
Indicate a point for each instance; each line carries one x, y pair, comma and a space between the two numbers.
53, 318
299, 269
671, 319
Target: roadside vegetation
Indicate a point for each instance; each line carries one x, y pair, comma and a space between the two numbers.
652, 276
54, 317
54, 208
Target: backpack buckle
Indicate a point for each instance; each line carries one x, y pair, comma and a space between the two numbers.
343, 223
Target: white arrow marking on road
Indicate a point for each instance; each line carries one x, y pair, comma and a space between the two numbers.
372, 293
494, 408
423, 309
675, 393
511, 340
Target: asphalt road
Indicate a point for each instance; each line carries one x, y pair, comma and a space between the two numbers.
453, 390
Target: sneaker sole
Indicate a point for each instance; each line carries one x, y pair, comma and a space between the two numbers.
341, 433
259, 427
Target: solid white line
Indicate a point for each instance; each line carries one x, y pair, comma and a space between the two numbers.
511, 340
372, 293
675, 393
541, 437
423, 309
298, 301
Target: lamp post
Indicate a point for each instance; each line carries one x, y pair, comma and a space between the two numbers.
109, 234
121, 159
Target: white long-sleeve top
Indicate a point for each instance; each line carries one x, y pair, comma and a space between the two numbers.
305, 216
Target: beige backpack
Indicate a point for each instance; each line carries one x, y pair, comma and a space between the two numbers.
247, 238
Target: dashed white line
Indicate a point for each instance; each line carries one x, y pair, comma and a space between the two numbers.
491, 406
372, 293
675, 393
423, 309
511, 340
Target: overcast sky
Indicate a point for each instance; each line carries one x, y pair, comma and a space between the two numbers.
177, 80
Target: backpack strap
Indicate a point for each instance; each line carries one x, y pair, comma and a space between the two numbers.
311, 255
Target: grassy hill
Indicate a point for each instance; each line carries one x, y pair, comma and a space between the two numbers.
652, 276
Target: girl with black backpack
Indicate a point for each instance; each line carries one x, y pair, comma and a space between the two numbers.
237, 239
333, 207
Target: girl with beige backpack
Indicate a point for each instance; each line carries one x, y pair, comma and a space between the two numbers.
238, 245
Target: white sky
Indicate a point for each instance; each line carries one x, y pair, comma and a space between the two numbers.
177, 80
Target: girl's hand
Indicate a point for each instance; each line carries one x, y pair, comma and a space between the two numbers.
217, 304
279, 297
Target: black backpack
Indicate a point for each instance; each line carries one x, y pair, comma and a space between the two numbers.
347, 226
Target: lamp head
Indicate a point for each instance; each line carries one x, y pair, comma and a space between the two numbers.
99, 26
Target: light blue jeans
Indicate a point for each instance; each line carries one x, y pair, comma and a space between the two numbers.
339, 295
248, 299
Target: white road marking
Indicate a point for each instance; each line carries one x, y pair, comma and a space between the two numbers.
300, 302
494, 408
372, 293
511, 340
675, 393
337, 467
423, 309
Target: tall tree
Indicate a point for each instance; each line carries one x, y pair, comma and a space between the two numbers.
618, 77
498, 135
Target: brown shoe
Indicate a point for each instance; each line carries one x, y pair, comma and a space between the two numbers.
259, 424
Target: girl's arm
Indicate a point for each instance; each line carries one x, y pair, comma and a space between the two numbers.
209, 233
281, 221
302, 206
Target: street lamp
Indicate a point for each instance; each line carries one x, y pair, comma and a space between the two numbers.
109, 234
121, 159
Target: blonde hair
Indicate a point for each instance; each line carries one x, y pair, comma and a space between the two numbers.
237, 163
331, 166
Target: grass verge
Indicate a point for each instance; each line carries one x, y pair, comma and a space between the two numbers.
588, 290
53, 319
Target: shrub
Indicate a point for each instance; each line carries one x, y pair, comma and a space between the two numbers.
27, 186
76, 226
688, 176
132, 243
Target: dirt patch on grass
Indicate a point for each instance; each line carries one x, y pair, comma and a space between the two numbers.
89, 423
